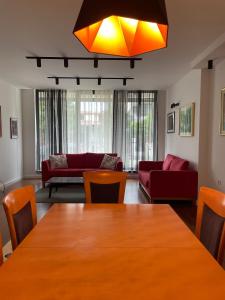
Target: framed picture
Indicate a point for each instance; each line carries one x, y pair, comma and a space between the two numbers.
171, 122
222, 120
0, 121
186, 120
13, 128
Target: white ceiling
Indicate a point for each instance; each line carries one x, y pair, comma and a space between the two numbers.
44, 28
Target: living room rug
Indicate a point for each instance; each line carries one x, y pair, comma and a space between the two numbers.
70, 194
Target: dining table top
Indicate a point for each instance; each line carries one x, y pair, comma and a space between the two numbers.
111, 251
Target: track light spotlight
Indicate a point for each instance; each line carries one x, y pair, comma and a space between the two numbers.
132, 63
99, 81
38, 62
95, 63
210, 64
57, 81
78, 80
124, 81
66, 63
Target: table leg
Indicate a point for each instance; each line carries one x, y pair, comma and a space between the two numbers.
50, 191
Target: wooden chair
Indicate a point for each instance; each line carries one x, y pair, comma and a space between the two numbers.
21, 213
104, 186
1, 253
210, 226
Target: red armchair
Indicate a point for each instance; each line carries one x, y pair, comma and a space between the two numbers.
171, 179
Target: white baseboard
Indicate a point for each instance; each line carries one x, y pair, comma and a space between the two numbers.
34, 176
8, 183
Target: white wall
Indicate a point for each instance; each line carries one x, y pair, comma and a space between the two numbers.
10, 149
185, 91
161, 124
28, 133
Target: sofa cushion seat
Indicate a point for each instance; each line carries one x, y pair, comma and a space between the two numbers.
178, 164
144, 178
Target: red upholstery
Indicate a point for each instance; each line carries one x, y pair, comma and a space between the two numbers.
178, 164
144, 178
177, 183
77, 164
76, 161
167, 162
93, 160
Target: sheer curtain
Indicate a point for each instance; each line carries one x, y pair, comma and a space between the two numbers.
89, 121
135, 126
51, 124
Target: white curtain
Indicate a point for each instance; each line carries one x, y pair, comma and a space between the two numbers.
89, 121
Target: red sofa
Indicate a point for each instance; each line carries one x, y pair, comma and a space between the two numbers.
77, 164
171, 179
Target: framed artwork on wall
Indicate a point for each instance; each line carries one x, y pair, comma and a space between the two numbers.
222, 118
186, 120
171, 122
0, 121
13, 128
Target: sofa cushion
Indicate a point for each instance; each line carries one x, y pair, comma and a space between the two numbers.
178, 164
76, 161
144, 177
109, 162
93, 160
167, 162
58, 161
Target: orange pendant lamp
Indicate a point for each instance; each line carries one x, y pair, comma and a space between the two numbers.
122, 27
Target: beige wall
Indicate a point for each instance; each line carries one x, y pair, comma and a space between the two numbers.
161, 124
185, 91
216, 142
28, 133
206, 150
10, 149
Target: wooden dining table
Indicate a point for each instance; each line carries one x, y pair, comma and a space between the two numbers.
111, 252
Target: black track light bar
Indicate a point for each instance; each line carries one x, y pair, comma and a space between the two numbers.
99, 79
96, 60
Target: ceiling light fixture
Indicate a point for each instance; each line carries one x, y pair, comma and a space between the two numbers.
66, 60
99, 79
124, 28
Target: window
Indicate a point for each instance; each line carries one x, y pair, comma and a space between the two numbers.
73, 122
134, 129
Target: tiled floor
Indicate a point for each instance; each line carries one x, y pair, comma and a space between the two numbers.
133, 195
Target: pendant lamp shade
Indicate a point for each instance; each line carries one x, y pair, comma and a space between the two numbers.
122, 27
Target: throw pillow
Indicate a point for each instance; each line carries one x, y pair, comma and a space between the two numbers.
58, 161
109, 162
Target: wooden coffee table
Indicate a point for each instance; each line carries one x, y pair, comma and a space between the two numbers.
56, 182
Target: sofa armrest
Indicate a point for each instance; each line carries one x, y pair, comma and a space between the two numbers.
119, 165
45, 168
174, 184
146, 165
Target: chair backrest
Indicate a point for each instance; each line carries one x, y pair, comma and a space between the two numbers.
21, 213
210, 226
104, 186
1, 253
